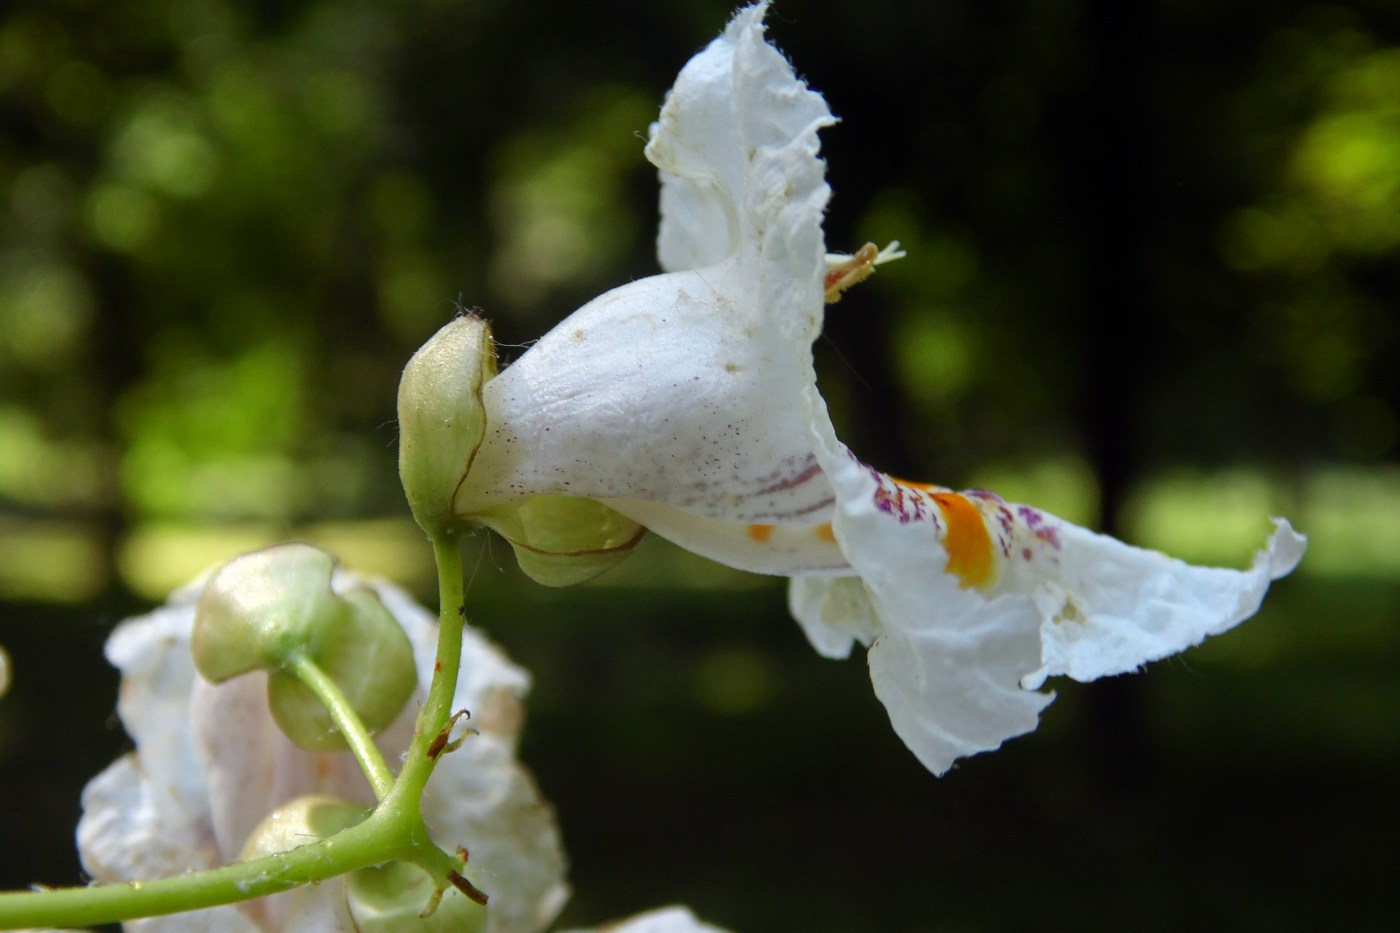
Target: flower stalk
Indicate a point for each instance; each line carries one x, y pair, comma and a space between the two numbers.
347, 721
436, 714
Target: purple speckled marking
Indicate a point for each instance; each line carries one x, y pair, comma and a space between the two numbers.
902, 502
1008, 524
1037, 525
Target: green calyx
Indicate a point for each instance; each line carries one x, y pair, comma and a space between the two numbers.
390, 898
442, 419
562, 540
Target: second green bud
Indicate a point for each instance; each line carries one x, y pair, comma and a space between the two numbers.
268, 609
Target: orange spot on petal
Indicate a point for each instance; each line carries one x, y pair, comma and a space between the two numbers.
824, 532
760, 533
970, 553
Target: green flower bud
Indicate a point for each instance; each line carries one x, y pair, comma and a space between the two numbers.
261, 608
369, 657
267, 609
391, 898
561, 540
442, 419
299, 822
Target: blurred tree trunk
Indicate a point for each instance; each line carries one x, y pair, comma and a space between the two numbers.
115, 367
1118, 323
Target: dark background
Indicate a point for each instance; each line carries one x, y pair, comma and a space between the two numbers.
1151, 286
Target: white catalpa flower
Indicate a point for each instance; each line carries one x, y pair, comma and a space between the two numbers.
210, 764
688, 402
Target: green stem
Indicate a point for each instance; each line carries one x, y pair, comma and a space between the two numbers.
382, 837
349, 723
436, 713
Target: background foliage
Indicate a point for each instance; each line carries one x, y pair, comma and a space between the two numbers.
1152, 286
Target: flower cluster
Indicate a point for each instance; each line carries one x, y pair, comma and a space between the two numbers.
211, 764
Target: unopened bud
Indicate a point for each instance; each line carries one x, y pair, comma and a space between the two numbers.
442, 419
391, 899
259, 609
300, 822
267, 609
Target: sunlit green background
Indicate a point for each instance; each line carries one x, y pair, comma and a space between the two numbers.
1152, 285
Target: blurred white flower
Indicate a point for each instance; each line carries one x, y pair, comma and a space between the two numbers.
210, 764
688, 402
663, 920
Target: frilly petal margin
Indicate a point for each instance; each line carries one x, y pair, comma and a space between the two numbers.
736, 145
1110, 608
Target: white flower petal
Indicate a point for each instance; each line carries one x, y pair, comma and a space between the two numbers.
132, 828
948, 661
153, 654
834, 612
1108, 608
679, 389
758, 547
662, 920
648, 392
214, 920
979, 600
312, 908
675, 401
147, 815
736, 112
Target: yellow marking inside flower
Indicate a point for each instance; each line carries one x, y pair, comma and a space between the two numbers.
760, 533
824, 532
970, 553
